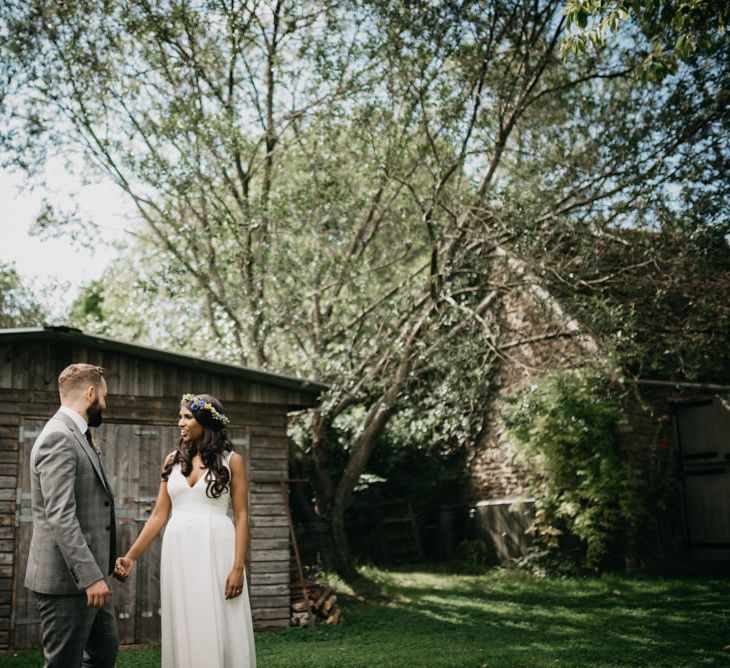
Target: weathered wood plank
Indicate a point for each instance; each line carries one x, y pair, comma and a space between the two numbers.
268, 521
270, 532
269, 485
6, 366
269, 589
259, 567
270, 466
259, 510
21, 372
271, 624
271, 441
269, 543
271, 618
281, 577
269, 452
266, 497
269, 555
263, 602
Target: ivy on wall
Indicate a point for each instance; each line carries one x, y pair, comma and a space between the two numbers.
563, 429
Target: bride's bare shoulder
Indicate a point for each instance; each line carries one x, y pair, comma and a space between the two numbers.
235, 461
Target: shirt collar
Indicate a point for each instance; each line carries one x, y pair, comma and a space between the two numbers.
80, 422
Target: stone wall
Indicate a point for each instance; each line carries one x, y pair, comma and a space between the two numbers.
533, 343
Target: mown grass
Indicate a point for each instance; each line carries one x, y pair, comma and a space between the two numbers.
500, 618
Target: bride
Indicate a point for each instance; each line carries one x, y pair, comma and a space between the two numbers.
206, 617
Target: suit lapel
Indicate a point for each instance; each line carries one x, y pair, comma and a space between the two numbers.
93, 457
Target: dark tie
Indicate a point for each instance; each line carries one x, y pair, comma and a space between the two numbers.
112, 517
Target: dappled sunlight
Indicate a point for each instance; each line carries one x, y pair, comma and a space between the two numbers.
506, 619
599, 621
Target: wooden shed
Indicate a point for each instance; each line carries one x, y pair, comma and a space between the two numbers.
145, 386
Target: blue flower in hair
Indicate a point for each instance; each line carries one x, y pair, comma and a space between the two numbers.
198, 404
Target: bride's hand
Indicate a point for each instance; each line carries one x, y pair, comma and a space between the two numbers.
234, 583
123, 568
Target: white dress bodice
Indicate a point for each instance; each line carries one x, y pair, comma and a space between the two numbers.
188, 498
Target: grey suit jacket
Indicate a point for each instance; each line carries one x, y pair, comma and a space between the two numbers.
72, 511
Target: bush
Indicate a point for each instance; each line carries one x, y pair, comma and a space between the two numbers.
563, 429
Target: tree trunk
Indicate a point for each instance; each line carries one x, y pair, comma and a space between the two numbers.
375, 421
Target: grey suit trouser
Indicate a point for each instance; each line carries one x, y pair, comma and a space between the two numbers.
75, 634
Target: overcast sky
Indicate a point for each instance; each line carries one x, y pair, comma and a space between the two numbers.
51, 262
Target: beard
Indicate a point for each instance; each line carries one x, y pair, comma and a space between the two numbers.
94, 414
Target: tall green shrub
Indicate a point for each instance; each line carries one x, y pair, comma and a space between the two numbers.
563, 429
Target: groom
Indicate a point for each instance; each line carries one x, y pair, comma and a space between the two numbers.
73, 547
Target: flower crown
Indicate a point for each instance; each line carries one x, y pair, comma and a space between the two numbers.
198, 404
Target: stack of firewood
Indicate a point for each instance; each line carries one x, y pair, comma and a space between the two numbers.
319, 605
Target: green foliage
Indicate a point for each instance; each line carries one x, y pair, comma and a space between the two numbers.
87, 310
676, 30
18, 306
564, 431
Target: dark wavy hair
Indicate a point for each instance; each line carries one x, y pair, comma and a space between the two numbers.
212, 446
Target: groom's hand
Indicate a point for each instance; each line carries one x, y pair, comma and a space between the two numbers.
97, 594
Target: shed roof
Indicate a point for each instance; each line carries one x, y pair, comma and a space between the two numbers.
76, 336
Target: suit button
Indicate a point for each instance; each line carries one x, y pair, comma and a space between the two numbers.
106, 503
107, 528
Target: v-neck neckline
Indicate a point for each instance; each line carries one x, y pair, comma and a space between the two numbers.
202, 475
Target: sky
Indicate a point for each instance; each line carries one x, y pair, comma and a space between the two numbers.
61, 265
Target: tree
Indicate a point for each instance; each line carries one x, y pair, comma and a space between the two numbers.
18, 307
334, 188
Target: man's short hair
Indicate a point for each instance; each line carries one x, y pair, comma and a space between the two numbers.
79, 376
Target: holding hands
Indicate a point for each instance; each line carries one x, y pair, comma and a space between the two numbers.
123, 568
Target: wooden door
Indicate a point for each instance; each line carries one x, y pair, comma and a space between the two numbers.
132, 459
703, 429
133, 463
25, 629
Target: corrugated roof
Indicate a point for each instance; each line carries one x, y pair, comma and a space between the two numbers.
72, 335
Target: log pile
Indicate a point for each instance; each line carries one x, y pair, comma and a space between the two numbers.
320, 606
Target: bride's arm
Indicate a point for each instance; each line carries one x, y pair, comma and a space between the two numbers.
239, 500
152, 528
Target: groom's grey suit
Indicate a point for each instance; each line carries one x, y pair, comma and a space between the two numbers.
73, 521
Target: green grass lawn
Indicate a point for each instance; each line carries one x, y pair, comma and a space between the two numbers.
501, 618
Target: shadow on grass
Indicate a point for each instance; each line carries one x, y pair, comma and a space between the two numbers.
431, 617
507, 618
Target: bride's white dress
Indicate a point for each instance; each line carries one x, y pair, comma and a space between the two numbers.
200, 628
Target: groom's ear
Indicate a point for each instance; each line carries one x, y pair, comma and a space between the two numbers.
90, 393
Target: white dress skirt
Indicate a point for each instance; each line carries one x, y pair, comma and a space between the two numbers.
200, 628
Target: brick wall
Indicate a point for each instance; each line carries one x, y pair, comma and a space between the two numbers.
493, 474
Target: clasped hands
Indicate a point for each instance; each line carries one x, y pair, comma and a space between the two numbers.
122, 568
